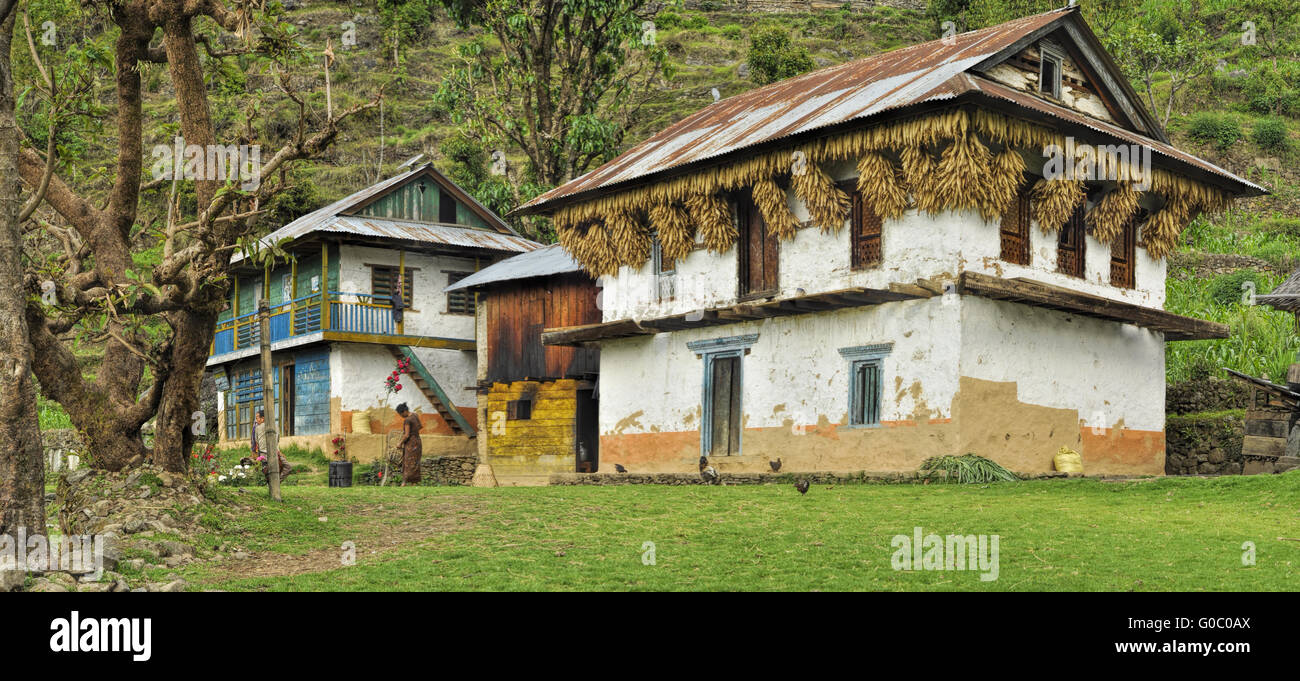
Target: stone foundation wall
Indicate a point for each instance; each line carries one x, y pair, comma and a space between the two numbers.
1208, 394
816, 478
448, 470
1204, 444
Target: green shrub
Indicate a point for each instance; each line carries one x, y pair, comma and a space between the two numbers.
1274, 90
1271, 135
1280, 226
694, 21
666, 20
710, 5
1231, 289
733, 31
969, 468
773, 57
1220, 129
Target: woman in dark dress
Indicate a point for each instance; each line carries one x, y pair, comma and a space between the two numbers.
411, 446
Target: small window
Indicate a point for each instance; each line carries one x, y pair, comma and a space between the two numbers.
446, 208
1049, 72
1015, 229
460, 301
663, 263
866, 392
1071, 247
866, 382
383, 279
519, 410
665, 269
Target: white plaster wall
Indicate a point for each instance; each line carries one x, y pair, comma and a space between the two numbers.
793, 372
357, 372
916, 245
1107, 371
427, 314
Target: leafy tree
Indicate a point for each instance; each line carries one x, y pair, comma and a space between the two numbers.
1147, 57
556, 80
405, 21
773, 57
22, 467
156, 326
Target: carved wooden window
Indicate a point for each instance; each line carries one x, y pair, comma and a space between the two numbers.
1123, 257
867, 233
1015, 229
1072, 245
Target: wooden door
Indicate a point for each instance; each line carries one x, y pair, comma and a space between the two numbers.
759, 252
286, 399
587, 456
724, 400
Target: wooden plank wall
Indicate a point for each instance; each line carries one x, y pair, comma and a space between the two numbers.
517, 313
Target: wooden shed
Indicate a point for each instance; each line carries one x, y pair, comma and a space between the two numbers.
538, 403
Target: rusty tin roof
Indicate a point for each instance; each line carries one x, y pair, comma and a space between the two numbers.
852, 91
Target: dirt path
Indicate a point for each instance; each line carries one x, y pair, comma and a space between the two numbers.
379, 528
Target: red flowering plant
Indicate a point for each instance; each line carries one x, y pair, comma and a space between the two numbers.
207, 462
340, 448
393, 384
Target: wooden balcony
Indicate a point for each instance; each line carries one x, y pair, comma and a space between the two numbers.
333, 316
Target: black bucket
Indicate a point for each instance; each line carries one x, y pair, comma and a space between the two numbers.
340, 474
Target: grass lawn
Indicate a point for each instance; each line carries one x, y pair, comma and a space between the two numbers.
1163, 534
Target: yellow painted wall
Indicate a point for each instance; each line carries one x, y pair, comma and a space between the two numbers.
528, 451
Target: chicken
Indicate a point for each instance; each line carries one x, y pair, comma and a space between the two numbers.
802, 486
619, 467
776, 465
708, 473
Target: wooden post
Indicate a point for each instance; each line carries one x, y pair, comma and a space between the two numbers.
401, 291
234, 318
324, 286
293, 292
268, 403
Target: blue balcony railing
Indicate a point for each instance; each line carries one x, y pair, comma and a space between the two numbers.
353, 312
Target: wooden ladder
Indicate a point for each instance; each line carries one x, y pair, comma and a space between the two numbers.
430, 388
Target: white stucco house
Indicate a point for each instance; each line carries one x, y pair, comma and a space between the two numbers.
874, 263
335, 336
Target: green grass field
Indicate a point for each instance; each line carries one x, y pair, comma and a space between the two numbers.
1161, 534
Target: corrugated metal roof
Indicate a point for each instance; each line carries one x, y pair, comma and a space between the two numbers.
542, 262
329, 219
838, 94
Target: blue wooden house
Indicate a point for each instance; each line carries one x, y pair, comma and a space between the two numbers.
335, 332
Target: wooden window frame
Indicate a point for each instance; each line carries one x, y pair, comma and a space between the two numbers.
743, 292
409, 287
860, 217
1016, 222
1123, 267
468, 296
1075, 225
664, 278
1046, 55
520, 409
861, 358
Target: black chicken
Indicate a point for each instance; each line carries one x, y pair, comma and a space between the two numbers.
776, 465
619, 467
802, 486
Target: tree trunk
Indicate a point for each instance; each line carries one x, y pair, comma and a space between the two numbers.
22, 466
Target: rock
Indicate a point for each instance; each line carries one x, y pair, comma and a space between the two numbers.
96, 587
120, 586
135, 526
174, 586
168, 547
12, 580
61, 578
46, 586
75, 477
240, 555
135, 564
175, 561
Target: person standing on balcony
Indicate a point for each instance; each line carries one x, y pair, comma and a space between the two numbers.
411, 446
396, 299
